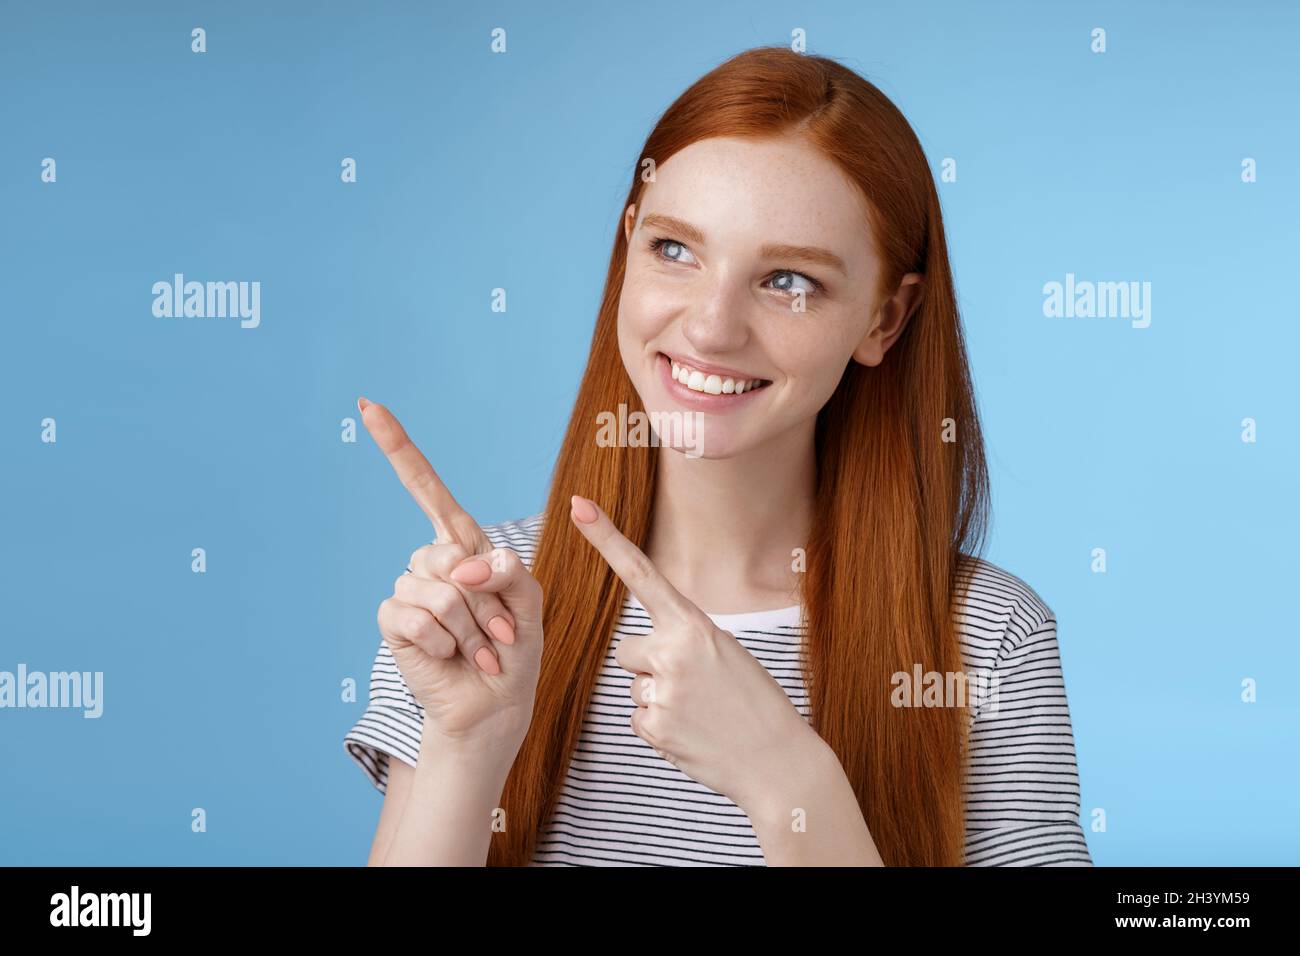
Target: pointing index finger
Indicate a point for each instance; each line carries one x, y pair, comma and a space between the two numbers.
451, 521
655, 592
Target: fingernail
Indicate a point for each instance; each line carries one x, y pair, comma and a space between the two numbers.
362, 402
487, 660
475, 571
500, 629
583, 509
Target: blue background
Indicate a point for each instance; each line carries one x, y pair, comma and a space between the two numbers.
478, 171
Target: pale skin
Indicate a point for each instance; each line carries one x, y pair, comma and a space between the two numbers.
714, 293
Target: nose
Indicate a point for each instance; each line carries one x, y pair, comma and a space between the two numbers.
719, 323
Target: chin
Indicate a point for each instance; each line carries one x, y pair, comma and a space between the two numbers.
694, 434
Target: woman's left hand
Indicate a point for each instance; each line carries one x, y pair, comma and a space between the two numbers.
704, 702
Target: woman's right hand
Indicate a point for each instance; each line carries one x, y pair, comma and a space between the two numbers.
468, 646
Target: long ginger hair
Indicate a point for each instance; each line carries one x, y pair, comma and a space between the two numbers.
901, 490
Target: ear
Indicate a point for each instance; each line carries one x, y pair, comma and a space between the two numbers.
629, 220
890, 320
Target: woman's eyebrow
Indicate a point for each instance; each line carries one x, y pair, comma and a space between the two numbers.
770, 251
673, 224
807, 253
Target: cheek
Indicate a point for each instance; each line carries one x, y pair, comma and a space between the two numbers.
645, 312
644, 308
814, 364
637, 325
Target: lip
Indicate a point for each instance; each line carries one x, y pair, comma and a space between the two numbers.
708, 369
702, 401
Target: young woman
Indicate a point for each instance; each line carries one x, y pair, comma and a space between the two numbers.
752, 638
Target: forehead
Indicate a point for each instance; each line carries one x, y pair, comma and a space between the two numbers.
762, 190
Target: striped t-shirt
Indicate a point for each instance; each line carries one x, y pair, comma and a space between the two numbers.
623, 804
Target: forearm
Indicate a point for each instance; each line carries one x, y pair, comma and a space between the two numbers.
447, 818
809, 815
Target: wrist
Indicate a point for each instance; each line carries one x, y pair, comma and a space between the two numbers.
453, 803
810, 816
487, 754
803, 758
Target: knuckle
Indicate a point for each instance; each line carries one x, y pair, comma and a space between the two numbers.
647, 726
418, 481
416, 625
440, 644
443, 600
419, 558
668, 662
389, 629
646, 688
446, 556
467, 529
641, 566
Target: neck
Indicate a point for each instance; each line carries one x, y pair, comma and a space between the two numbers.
724, 530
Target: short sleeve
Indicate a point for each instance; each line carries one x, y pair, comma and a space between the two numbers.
393, 721
391, 724
1023, 790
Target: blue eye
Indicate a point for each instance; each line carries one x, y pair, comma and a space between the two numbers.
658, 244
816, 286
662, 244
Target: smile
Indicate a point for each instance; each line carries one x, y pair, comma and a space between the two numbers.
707, 388
710, 383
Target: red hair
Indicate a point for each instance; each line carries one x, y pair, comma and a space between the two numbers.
901, 495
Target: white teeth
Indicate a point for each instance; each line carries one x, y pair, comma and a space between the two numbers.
711, 384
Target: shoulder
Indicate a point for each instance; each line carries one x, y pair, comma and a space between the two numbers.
520, 535
998, 611
1023, 802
